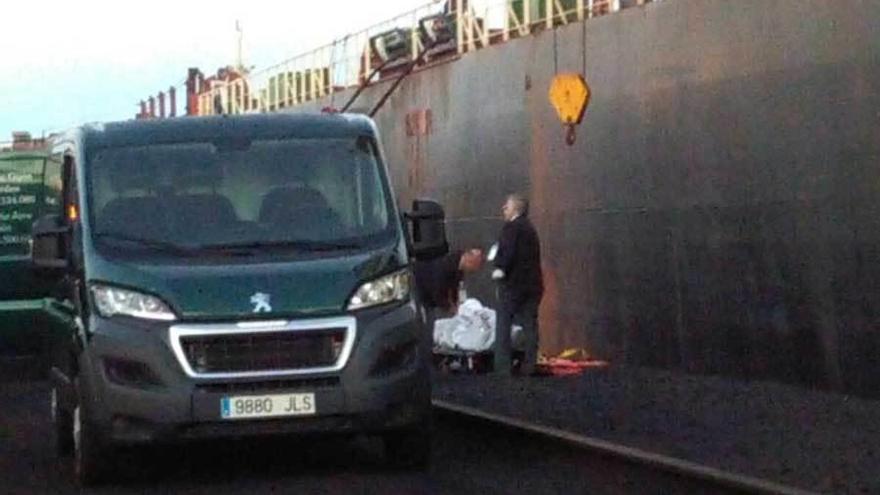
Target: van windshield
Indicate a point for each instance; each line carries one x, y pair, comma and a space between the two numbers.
302, 194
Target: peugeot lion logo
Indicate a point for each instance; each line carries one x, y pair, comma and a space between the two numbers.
261, 302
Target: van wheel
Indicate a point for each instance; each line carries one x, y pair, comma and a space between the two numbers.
408, 449
90, 459
62, 422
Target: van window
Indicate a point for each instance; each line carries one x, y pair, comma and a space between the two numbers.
296, 191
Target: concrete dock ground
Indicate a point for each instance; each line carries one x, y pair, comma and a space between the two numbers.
467, 458
813, 440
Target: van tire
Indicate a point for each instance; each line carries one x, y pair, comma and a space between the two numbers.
62, 425
408, 449
90, 456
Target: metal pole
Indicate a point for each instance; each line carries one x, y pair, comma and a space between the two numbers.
548, 13
459, 26
505, 35
527, 14
367, 52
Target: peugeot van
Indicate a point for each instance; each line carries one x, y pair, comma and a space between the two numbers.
233, 276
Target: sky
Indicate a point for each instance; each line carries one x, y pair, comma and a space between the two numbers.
64, 63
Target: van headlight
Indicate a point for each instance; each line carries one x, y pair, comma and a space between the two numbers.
113, 301
390, 288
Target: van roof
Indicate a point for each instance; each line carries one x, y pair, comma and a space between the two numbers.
263, 126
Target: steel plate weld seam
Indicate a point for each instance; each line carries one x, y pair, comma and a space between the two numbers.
656, 461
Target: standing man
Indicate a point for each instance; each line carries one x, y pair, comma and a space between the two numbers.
521, 286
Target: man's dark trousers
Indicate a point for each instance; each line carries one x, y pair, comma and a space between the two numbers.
521, 286
522, 309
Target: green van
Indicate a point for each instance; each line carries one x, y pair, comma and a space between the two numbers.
234, 276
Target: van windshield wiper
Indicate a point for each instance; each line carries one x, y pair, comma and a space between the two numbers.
149, 243
298, 245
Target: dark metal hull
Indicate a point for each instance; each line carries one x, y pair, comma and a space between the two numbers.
718, 213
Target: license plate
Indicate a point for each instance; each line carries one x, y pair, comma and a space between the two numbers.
267, 406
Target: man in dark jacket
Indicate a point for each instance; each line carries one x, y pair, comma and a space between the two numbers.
521, 286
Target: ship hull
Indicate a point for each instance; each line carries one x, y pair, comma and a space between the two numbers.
718, 212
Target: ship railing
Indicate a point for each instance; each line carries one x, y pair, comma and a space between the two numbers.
481, 25
309, 76
349, 61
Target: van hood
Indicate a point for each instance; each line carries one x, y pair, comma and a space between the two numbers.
299, 288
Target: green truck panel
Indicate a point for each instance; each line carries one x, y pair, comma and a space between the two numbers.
29, 187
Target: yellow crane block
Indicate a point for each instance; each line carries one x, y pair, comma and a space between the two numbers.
570, 96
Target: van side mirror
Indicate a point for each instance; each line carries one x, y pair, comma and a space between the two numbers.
428, 229
49, 240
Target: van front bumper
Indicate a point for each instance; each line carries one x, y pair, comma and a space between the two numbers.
155, 400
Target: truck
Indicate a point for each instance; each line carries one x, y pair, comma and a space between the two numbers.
233, 276
24, 195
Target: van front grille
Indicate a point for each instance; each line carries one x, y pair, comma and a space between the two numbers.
263, 351
268, 386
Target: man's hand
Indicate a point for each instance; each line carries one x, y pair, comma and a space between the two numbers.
498, 274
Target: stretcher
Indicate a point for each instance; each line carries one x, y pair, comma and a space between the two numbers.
458, 360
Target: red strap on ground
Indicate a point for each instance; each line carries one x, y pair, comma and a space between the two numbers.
566, 367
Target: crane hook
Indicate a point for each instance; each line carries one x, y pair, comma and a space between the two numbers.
570, 135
